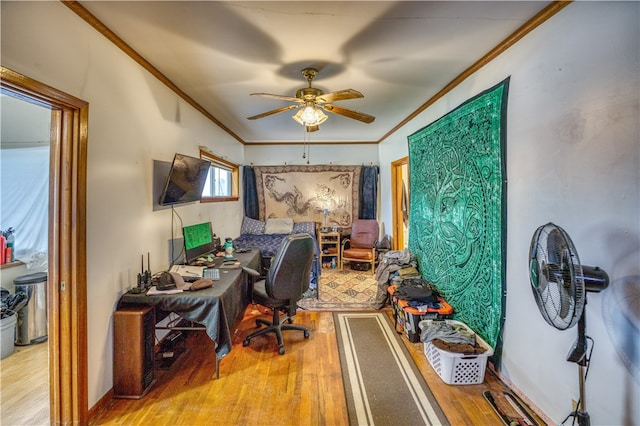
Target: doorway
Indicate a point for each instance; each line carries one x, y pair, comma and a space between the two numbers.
66, 292
400, 197
24, 179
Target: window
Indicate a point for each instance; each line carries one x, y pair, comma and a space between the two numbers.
222, 181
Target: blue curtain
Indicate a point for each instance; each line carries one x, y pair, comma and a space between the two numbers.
250, 192
368, 192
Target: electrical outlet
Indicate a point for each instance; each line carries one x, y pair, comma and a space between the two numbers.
574, 405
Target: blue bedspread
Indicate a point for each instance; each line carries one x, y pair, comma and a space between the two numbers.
268, 244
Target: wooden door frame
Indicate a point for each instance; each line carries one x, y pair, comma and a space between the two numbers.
67, 289
396, 197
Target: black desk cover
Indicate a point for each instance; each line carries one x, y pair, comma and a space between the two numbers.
217, 308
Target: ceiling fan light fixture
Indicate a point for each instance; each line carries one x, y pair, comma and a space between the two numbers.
320, 116
310, 116
311, 103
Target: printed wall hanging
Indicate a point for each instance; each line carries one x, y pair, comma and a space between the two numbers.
457, 209
305, 192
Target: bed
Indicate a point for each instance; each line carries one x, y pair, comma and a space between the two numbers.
267, 236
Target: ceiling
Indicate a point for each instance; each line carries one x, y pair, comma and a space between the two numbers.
397, 54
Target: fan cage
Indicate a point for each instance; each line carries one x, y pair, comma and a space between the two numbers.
556, 276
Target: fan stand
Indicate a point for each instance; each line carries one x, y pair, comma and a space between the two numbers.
578, 354
565, 269
595, 280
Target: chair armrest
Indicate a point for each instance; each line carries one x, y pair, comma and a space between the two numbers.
251, 271
344, 242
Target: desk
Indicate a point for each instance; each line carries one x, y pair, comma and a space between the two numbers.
217, 308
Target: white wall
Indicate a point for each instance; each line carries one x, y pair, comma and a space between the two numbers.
572, 158
272, 155
133, 119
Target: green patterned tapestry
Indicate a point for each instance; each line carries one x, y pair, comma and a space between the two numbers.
457, 209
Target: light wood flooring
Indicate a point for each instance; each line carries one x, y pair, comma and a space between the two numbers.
256, 385
24, 386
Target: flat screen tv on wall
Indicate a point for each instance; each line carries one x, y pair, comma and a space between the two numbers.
186, 180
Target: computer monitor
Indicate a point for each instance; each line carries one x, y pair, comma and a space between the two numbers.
198, 241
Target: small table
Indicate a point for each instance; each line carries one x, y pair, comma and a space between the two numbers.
217, 308
329, 243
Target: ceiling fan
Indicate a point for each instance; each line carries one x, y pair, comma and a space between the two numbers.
312, 101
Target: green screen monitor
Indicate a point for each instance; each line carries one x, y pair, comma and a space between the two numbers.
198, 241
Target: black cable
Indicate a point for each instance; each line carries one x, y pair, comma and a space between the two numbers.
174, 256
587, 364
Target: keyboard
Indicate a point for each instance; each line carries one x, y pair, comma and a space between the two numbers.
211, 273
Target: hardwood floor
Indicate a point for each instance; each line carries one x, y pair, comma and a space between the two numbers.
24, 386
258, 386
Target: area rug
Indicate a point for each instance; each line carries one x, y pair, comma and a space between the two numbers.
342, 289
382, 384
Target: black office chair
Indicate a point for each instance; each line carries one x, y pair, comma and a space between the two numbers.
286, 280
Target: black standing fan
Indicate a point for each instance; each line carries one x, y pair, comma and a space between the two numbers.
559, 283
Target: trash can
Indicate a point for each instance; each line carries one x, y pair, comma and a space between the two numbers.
7, 335
32, 318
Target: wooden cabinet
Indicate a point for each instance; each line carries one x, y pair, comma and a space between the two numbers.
329, 248
133, 344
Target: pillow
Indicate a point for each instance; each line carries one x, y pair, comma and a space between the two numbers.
304, 228
282, 225
252, 226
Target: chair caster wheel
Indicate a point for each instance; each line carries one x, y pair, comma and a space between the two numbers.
245, 343
306, 334
281, 351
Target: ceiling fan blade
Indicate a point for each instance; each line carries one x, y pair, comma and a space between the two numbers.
360, 116
340, 95
275, 111
281, 97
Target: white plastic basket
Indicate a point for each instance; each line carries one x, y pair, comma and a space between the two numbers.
456, 368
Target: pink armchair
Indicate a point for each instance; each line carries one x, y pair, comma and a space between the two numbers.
360, 246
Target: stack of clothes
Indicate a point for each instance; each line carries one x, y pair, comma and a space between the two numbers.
395, 265
451, 337
11, 303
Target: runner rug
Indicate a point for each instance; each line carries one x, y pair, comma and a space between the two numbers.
342, 290
382, 384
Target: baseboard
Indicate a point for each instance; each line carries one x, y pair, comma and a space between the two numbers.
541, 414
101, 404
107, 397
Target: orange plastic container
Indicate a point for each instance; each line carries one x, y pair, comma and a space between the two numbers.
409, 317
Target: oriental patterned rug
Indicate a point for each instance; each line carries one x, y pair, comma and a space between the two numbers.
342, 290
382, 384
